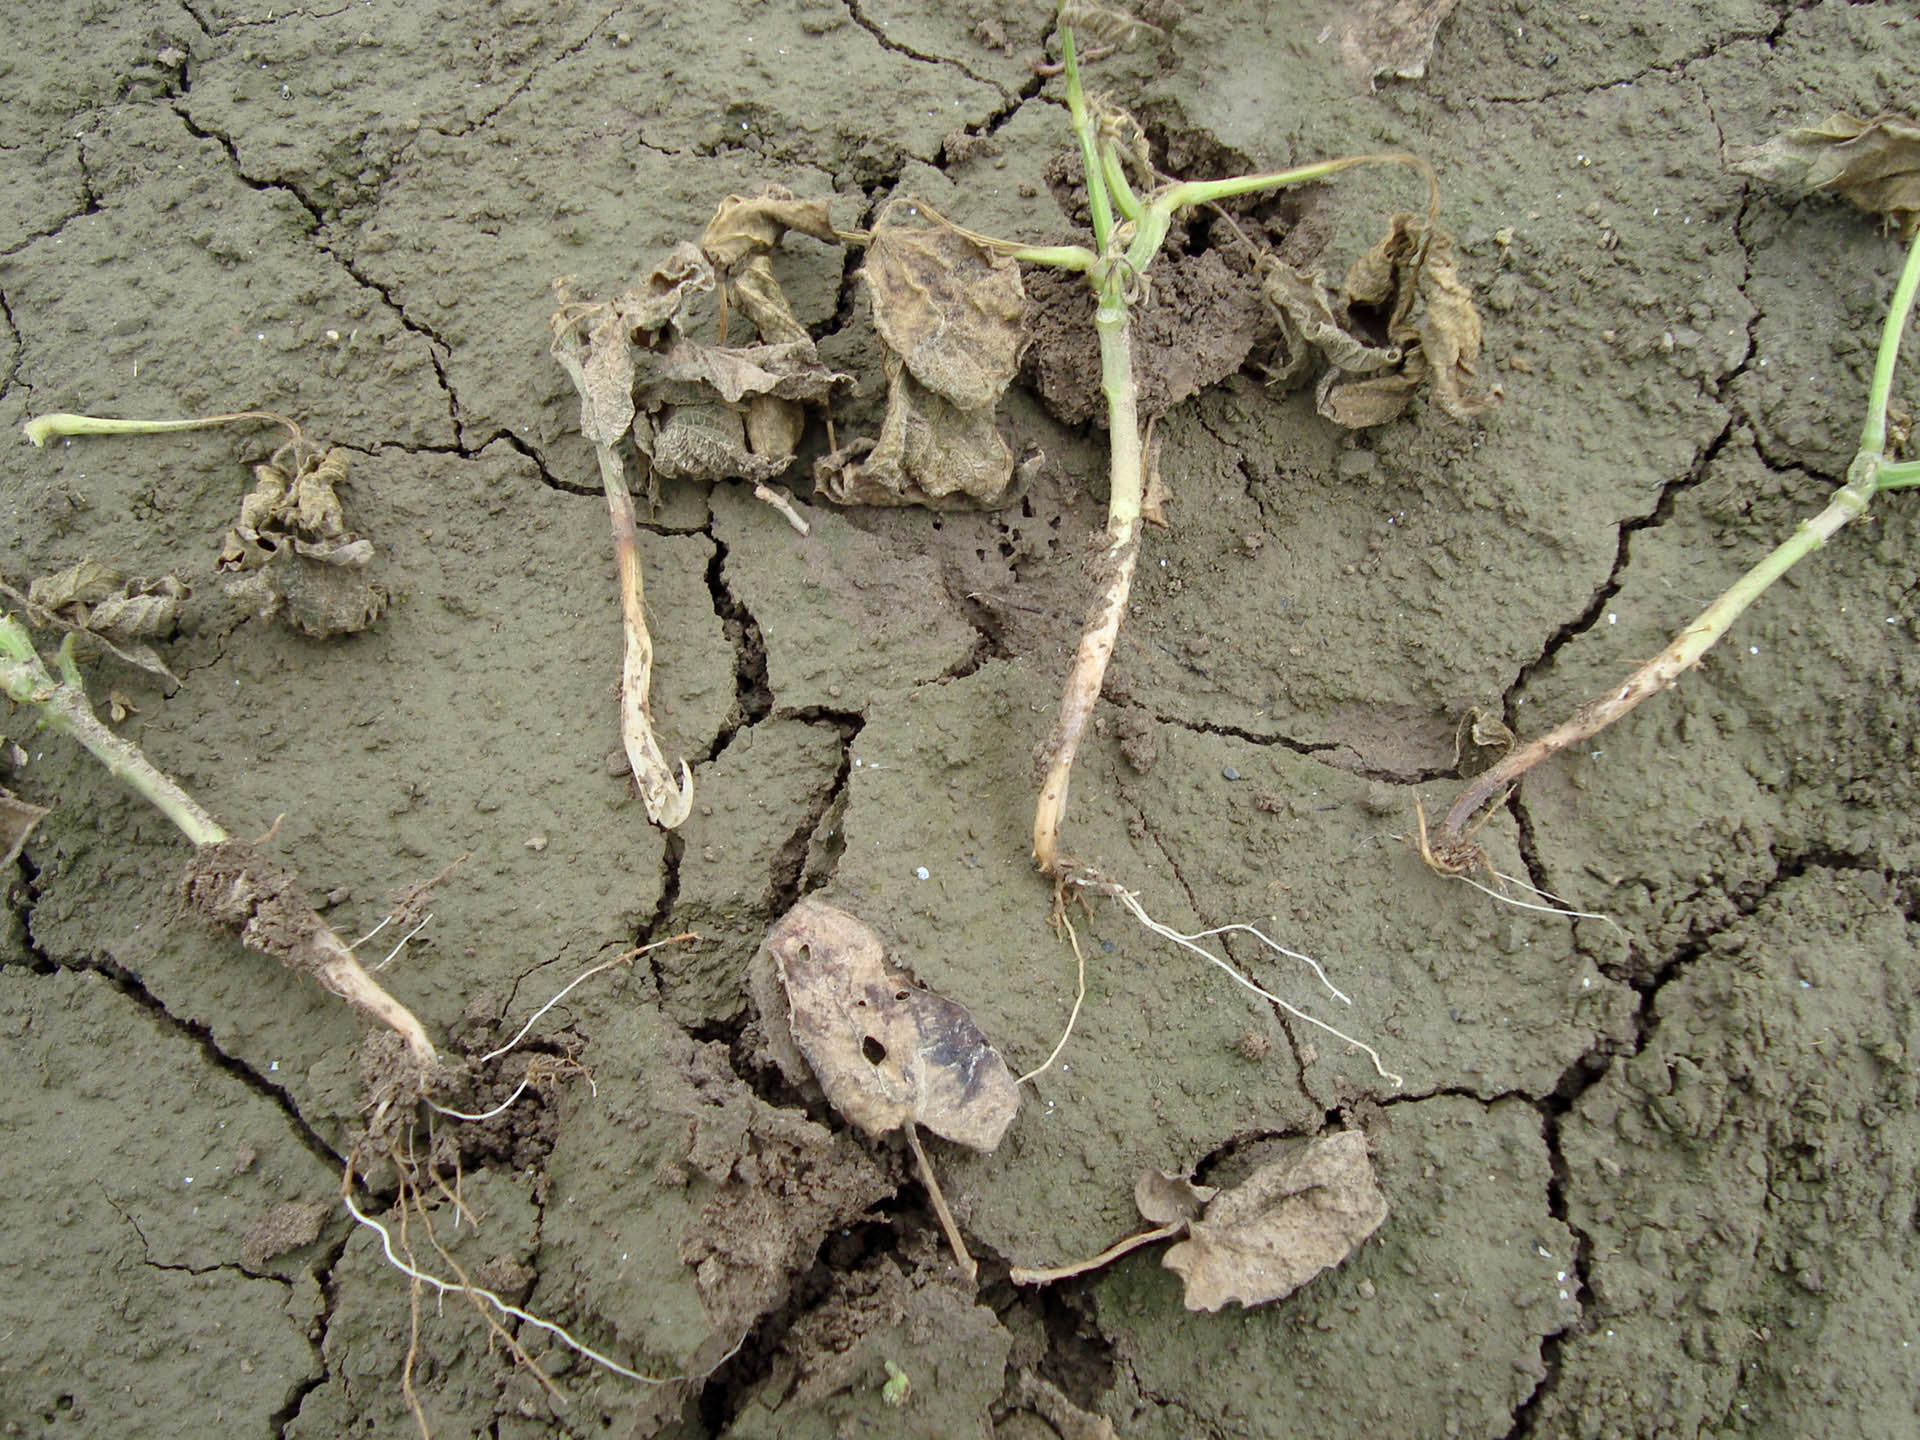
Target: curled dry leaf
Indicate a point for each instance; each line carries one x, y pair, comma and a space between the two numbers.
952, 316
888, 1053
1406, 318
294, 553
100, 602
1874, 163
1281, 1226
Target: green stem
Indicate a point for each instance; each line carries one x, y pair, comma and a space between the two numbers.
1097, 200
43, 428
1873, 435
1115, 175
1897, 477
63, 707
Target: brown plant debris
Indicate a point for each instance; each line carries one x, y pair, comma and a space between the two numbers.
17, 819
1404, 318
952, 318
100, 603
293, 551
1874, 164
1281, 1226
888, 1054
1260, 1241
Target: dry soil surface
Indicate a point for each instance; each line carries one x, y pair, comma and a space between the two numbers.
1648, 1176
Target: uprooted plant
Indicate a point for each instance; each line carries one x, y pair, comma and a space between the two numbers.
1876, 165
229, 883
708, 412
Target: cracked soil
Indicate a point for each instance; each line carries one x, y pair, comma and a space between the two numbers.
1654, 1178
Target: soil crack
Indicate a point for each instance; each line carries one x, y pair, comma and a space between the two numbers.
887, 42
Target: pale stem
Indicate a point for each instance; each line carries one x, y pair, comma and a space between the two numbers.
668, 804
43, 428
1127, 481
1658, 673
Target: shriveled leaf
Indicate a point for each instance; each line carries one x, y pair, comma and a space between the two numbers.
1392, 37
1166, 1199
81, 584
886, 1052
594, 341
17, 819
1306, 313
140, 610
1408, 290
747, 225
952, 311
297, 559
740, 237
790, 371
1874, 164
1281, 1226
929, 452
705, 442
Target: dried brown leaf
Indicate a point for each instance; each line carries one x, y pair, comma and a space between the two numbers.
1874, 164
594, 341
886, 1052
1167, 1199
748, 225
929, 452
81, 584
1281, 1226
952, 311
1407, 288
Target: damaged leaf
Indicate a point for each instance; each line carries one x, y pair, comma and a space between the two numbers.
1262, 1240
17, 819
593, 340
1281, 1226
101, 603
1875, 164
293, 552
743, 233
952, 316
1407, 290
887, 1053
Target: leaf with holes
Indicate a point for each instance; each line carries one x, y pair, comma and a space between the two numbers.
887, 1052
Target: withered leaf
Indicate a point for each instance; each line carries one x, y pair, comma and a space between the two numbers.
929, 452
1167, 1199
740, 237
301, 560
593, 341
79, 584
1408, 286
887, 1053
1874, 163
1281, 1226
747, 225
17, 819
952, 311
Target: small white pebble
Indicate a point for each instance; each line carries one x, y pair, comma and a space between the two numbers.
920, 872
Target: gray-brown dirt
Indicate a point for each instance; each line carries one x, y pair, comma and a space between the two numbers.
1653, 1178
